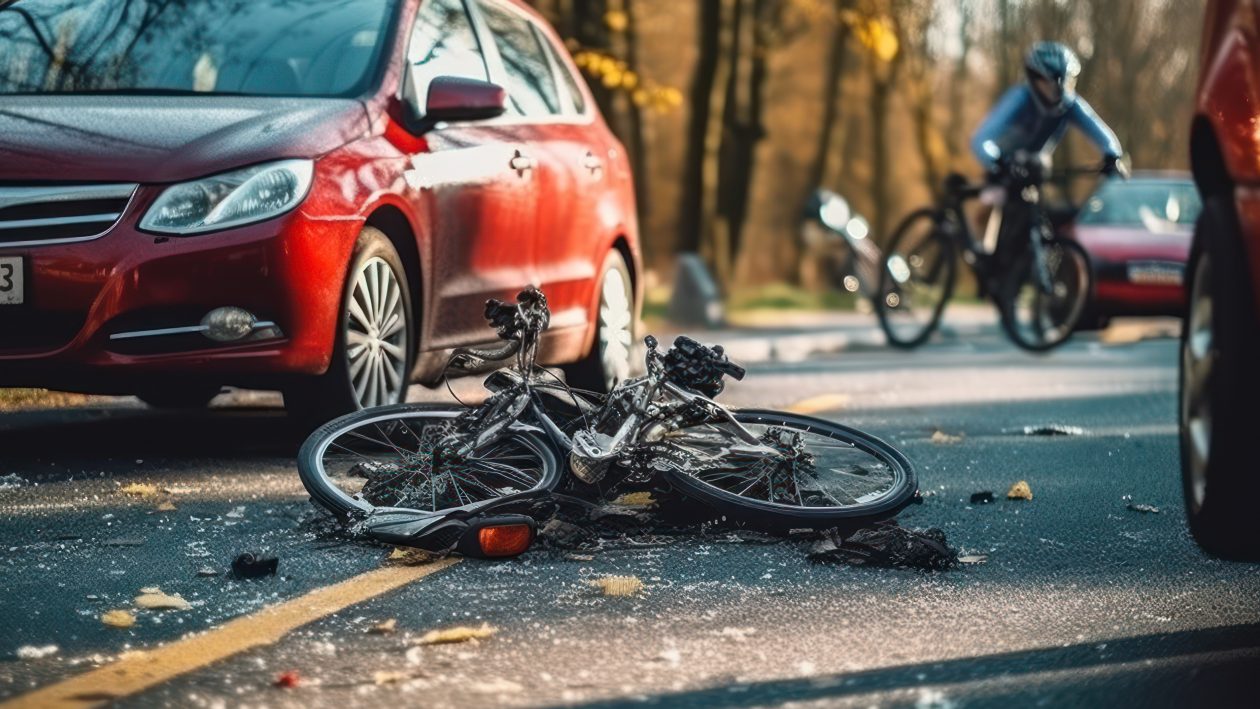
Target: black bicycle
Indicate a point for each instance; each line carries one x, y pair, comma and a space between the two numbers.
1039, 281
427, 476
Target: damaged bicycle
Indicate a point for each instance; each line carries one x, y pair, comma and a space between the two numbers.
475, 480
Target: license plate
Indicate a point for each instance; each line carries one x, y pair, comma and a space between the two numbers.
12, 288
1156, 273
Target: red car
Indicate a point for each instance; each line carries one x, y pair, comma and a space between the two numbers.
1220, 345
1137, 233
316, 196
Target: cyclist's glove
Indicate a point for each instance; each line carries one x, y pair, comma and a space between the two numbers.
1113, 166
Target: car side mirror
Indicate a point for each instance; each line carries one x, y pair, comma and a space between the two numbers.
453, 99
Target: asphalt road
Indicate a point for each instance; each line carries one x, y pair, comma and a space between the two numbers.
1081, 600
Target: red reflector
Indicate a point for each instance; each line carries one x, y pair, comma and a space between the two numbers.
505, 539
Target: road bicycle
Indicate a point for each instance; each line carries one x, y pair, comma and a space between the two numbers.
1039, 280
472, 479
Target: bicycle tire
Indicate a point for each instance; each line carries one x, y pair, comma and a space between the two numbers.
947, 259
1079, 283
345, 505
901, 491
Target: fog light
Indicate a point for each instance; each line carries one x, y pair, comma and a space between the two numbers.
228, 324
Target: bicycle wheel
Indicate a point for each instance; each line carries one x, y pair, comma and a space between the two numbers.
1041, 309
826, 474
393, 469
916, 281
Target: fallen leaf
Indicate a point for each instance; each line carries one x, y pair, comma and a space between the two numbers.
154, 599
411, 557
118, 619
384, 627
941, 438
166, 506
458, 634
635, 499
618, 585
287, 680
1020, 491
139, 489
390, 677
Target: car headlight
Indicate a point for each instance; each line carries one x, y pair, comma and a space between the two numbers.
230, 199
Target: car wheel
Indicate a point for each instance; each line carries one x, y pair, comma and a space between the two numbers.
608, 362
374, 348
187, 396
1219, 390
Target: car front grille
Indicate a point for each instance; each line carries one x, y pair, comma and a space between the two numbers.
60, 213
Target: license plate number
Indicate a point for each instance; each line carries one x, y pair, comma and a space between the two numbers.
12, 288
1156, 274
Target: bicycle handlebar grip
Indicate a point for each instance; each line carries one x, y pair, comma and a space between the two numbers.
735, 371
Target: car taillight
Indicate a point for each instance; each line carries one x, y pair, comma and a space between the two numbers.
505, 539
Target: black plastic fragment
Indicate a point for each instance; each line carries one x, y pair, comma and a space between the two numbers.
984, 497
887, 545
251, 566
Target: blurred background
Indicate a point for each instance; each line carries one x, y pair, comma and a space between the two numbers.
735, 111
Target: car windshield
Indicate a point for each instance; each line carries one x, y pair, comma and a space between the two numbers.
1157, 206
252, 47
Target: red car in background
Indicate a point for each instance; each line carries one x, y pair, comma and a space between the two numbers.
316, 196
1137, 233
1220, 344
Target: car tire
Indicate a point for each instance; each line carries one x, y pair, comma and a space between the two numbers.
1220, 389
609, 360
185, 396
374, 346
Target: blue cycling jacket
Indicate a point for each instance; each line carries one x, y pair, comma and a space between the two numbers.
1018, 122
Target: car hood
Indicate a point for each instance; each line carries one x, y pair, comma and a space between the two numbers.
1124, 243
164, 138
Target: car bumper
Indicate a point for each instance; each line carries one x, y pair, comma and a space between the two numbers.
104, 314
1139, 287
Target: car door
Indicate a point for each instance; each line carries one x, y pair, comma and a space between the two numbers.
542, 122
477, 185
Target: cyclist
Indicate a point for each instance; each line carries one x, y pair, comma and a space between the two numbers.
1031, 118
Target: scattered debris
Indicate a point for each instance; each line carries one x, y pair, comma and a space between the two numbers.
941, 438
251, 566
287, 680
1054, 429
32, 652
739, 635
207, 571
236, 512
179, 490
385, 627
123, 542
984, 497
1146, 509
973, 558
10, 481
579, 557
118, 619
166, 506
1020, 491
458, 634
154, 599
139, 490
887, 545
671, 656
618, 585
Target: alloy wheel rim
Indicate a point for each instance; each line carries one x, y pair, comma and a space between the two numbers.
615, 328
376, 335
1197, 360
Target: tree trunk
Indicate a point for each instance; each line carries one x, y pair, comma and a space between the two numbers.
831, 97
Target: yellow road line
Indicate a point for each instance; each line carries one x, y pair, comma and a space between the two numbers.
820, 403
138, 671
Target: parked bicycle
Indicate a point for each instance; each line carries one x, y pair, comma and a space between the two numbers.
1039, 281
445, 477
